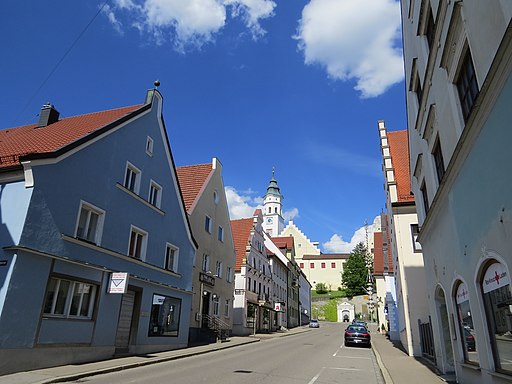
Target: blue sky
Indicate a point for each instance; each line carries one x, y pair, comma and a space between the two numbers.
298, 85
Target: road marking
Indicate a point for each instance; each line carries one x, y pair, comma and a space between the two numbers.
314, 379
335, 353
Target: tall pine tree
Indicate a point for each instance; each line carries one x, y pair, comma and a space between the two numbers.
355, 271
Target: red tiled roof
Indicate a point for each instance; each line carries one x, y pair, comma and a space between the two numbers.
30, 139
399, 150
327, 256
378, 254
283, 242
241, 230
192, 179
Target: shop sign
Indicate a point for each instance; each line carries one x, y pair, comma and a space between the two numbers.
462, 293
118, 282
495, 277
277, 307
207, 279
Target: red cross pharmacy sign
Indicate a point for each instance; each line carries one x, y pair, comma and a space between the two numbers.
118, 282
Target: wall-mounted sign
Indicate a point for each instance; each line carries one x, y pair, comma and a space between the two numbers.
207, 279
118, 282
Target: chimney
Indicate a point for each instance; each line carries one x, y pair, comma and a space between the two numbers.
48, 115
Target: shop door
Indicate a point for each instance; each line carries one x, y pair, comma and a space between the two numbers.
124, 324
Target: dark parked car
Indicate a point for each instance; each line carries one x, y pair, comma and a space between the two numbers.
357, 334
314, 324
470, 341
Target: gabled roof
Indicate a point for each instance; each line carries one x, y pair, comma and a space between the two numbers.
241, 230
15, 143
399, 151
192, 179
283, 242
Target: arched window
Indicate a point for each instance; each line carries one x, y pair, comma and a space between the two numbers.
465, 319
498, 302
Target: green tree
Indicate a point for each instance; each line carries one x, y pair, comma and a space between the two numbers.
355, 271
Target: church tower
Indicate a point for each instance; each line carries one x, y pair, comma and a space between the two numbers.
273, 222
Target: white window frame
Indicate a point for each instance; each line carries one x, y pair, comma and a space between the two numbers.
208, 224
149, 146
92, 209
155, 200
143, 245
206, 263
220, 234
229, 274
218, 269
215, 305
69, 296
227, 304
137, 175
174, 266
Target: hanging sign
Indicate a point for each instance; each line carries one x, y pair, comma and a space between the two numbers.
462, 293
495, 277
118, 282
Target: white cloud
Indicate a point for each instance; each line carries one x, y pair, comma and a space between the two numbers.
291, 214
336, 244
116, 24
240, 206
252, 11
354, 40
190, 23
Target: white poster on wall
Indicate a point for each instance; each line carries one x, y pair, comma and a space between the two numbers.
462, 293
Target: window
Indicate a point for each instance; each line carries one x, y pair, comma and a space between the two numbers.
323, 265
132, 178
466, 329
415, 82
467, 85
426, 25
424, 197
215, 301
227, 304
301, 265
312, 265
69, 299
206, 263
90, 223
229, 274
165, 316
149, 146
497, 301
333, 265
218, 269
208, 224
415, 232
248, 283
438, 160
216, 197
171, 258
155, 194
138, 242
220, 234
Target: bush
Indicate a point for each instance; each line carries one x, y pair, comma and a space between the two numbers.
321, 288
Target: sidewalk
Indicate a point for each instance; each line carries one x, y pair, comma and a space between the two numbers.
74, 372
399, 368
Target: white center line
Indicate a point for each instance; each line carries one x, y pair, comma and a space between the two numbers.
324, 368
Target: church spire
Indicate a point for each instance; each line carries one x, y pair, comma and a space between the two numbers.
273, 188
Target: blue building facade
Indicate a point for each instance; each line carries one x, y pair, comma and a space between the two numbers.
99, 215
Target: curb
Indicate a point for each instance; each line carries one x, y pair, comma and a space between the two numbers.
77, 376
383, 369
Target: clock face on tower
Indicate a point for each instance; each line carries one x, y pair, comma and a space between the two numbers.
269, 220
